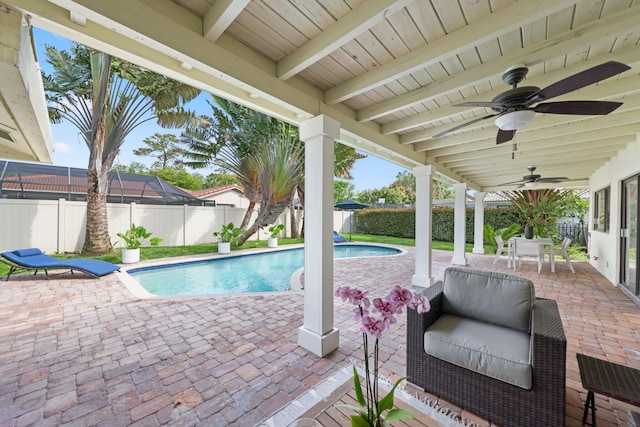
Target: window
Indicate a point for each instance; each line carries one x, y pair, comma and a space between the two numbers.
601, 210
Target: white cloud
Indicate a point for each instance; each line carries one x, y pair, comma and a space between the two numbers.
62, 148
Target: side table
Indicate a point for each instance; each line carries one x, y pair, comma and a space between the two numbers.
609, 379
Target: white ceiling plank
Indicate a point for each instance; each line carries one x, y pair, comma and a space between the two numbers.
500, 22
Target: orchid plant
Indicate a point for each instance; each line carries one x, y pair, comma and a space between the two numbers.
376, 316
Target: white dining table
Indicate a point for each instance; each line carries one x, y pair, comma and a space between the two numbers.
540, 242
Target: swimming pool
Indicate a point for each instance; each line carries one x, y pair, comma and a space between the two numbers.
260, 272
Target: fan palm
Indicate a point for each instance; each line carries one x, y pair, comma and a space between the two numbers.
106, 98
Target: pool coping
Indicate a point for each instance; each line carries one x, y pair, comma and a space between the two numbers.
294, 281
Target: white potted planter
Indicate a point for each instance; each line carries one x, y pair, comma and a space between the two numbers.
133, 239
274, 230
228, 234
224, 247
129, 256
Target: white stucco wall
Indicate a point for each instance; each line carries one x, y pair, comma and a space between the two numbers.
231, 197
605, 247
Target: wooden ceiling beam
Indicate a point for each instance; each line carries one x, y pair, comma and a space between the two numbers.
220, 16
567, 159
585, 140
348, 27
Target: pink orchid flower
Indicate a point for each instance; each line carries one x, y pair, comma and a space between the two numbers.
400, 295
387, 309
372, 326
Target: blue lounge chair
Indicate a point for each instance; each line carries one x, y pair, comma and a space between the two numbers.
34, 259
338, 238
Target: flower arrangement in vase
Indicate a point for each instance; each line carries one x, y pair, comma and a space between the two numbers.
376, 316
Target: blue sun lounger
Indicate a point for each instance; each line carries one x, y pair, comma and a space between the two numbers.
338, 238
34, 259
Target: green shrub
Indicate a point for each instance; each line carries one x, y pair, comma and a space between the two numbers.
401, 222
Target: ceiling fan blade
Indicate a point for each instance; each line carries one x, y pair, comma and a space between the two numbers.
579, 80
552, 179
504, 136
496, 105
463, 125
586, 108
512, 183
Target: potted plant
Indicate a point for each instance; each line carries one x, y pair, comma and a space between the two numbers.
274, 230
133, 239
228, 234
375, 316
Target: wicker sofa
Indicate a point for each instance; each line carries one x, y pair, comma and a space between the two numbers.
487, 299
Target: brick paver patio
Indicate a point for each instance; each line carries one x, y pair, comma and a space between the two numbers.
79, 351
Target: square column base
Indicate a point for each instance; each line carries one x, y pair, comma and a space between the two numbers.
478, 250
459, 261
320, 345
422, 281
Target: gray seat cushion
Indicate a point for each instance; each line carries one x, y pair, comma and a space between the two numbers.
498, 298
492, 350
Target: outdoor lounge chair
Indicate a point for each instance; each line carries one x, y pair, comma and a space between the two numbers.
338, 238
34, 259
489, 346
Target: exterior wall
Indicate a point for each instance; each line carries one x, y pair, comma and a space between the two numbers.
230, 197
59, 225
604, 253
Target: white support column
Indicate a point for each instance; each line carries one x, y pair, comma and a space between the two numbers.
478, 223
424, 190
459, 225
318, 334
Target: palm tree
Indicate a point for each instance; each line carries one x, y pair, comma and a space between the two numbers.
106, 98
242, 140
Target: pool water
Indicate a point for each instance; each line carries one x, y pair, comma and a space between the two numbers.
262, 272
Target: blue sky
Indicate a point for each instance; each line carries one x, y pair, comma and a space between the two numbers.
70, 150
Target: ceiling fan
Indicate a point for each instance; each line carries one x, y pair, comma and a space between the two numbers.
532, 179
514, 107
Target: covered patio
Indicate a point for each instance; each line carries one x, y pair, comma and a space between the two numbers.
384, 78
87, 352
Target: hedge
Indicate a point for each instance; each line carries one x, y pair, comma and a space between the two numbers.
401, 222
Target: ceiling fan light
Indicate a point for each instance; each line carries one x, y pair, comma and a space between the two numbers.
515, 119
530, 184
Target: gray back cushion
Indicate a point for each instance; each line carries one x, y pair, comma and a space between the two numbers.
497, 298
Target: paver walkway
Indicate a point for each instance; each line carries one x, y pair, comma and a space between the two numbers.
78, 351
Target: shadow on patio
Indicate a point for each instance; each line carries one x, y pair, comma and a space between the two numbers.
86, 352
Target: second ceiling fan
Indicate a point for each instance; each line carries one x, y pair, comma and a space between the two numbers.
514, 108
532, 179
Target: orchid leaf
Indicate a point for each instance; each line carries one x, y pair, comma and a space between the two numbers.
358, 388
387, 401
398, 414
359, 421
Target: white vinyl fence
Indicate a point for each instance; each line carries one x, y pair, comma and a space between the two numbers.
59, 225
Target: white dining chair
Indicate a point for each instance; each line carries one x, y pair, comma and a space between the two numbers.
562, 250
501, 248
527, 248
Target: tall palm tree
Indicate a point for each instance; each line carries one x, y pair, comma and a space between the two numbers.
106, 98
